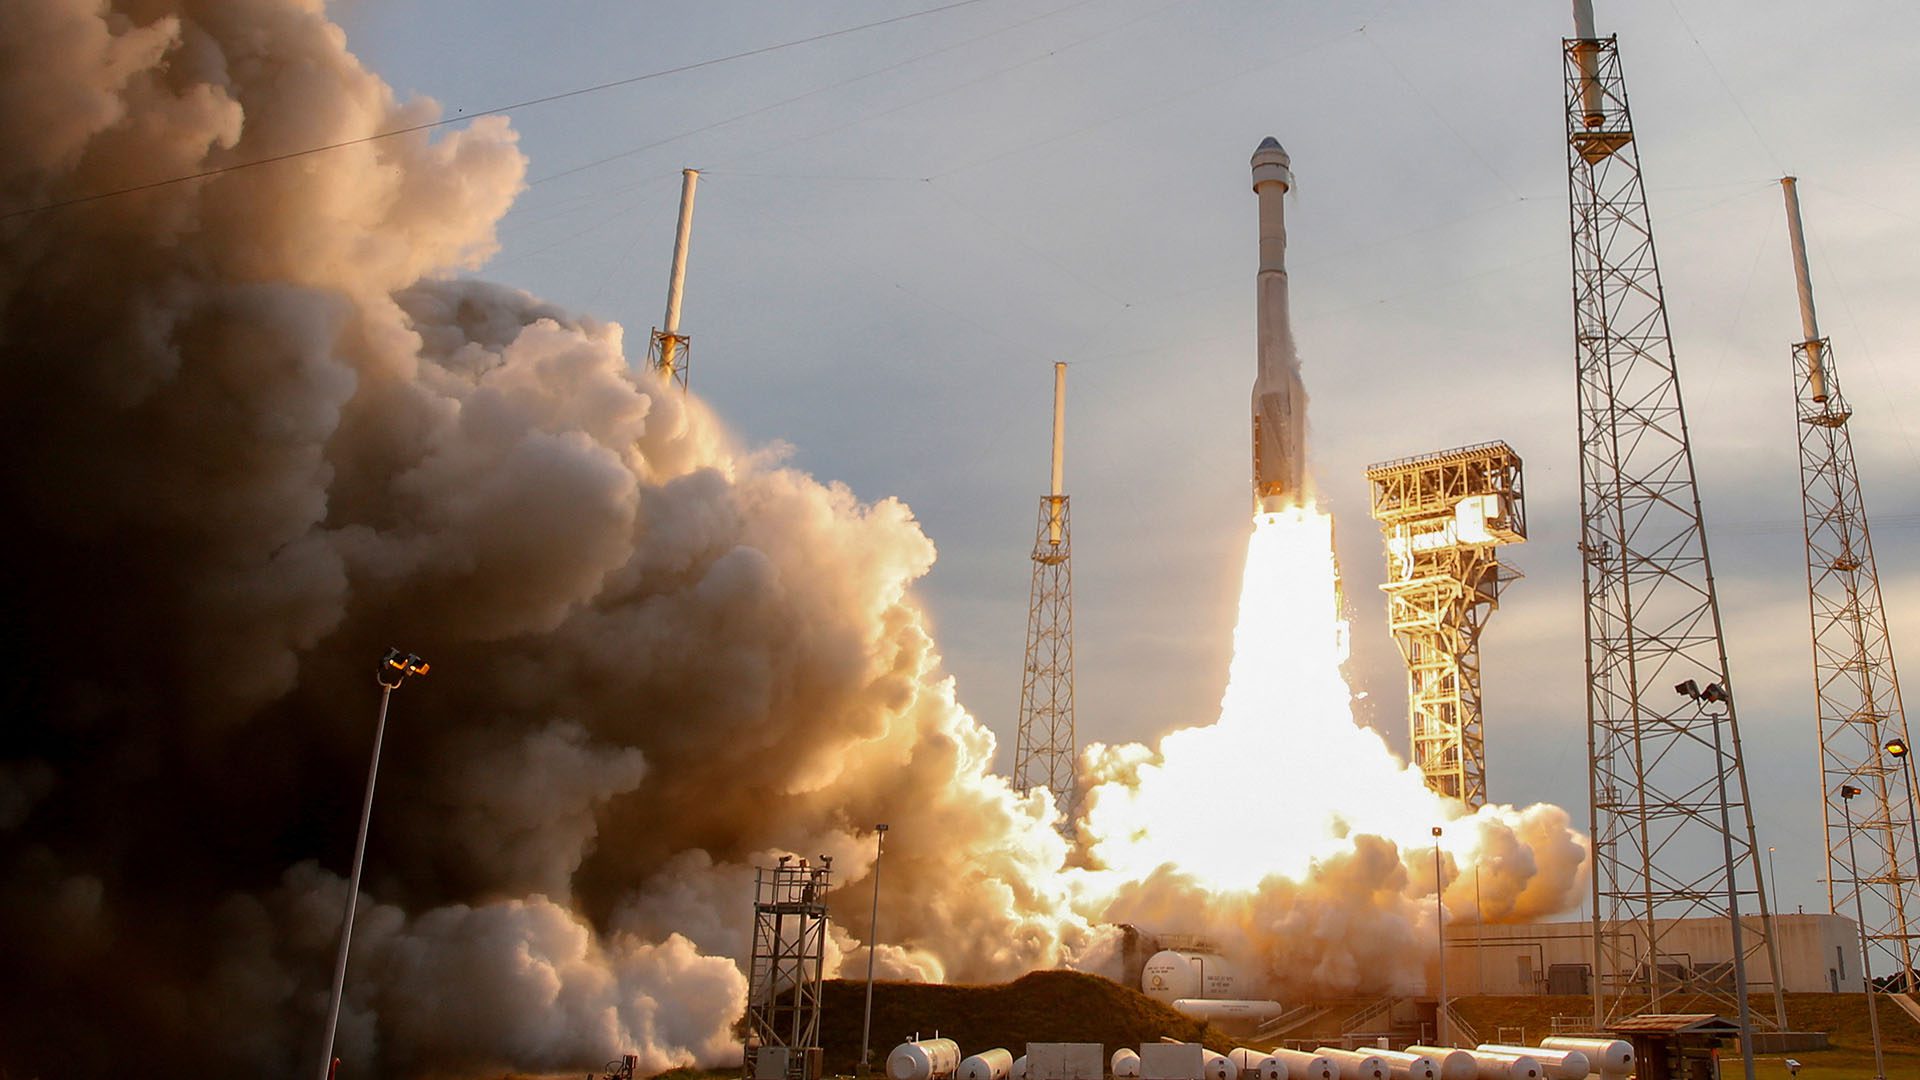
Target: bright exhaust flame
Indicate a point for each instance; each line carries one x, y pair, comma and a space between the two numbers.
1285, 777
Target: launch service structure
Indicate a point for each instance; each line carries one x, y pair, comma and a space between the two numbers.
1444, 517
1279, 399
1044, 749
785, 974
1672, 817
667, 351
1863, 728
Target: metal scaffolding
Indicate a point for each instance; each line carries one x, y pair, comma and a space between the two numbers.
1672, 819
1044, 750
1856, 689
784, 976
1443, 516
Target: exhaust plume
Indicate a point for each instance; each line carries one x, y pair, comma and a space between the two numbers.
261, 430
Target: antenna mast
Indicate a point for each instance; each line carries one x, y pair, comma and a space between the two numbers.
1672, 818
1856, 689
1044, 752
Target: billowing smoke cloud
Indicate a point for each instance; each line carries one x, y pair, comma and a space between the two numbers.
259, 431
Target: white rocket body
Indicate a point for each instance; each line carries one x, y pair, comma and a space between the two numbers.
1279, 399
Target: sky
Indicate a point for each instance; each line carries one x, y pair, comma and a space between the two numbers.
899, 230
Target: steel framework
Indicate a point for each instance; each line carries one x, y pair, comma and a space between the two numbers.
784, 977
1856, 688
1672, 820
1044, 750
1443, 516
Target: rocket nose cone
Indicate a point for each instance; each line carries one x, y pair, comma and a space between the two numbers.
1270, 147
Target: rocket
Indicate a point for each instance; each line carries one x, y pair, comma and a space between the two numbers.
1279, 399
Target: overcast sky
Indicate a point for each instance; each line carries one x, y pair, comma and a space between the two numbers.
901, 229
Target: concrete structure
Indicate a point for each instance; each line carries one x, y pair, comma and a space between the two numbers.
1066, 1061
1817, 953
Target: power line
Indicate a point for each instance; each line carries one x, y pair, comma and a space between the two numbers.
496, 110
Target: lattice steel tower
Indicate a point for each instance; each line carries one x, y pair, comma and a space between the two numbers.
1443, 516
1856, 689
784, 976
1672, 820
1044, 752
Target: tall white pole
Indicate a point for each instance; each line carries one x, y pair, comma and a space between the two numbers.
1586, 52
1059, 451
1803, 282
353, 887
1440, 928
677, 276
873, 946
1743, 1010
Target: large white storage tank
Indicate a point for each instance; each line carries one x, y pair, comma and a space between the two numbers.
1172, 974
924, 1059
994, 1064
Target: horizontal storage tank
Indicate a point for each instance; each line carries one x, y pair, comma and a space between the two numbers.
1454, 1064
1247, 1061
1410, 1066
994, 1064
1172, 974
1496, 1066
1609, 1057
1020, 1067
924, 1059
1305, 1066
1125, 1064
1559, 1064
1355, 1065
1227, 1009
1217, 1066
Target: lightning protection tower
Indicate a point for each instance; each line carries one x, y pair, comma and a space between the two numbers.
1044, 750
1444, 516
667, 351
1672, 818
784, 977
1856, 690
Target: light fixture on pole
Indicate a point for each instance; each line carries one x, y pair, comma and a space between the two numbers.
1716, 694
393, 670
1897, 749
1847, 792
1440, 929
873, 946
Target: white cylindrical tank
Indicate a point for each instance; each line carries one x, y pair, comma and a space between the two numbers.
1217, 1066
1355, 1065
1247, 1061
1172, 974
1454, 1064
1305, 1066
1498, 1066
1227, 1009
994, 1064
1125, 1064
924, 1059
1270, 1067
1020, 1067
1410, 1066
1609, 1057
1559, 1064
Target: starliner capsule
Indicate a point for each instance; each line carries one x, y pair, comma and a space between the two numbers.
1279, 399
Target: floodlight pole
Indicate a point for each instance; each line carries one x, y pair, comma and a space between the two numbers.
1901, 752
393, 670
1847, 792
873, 945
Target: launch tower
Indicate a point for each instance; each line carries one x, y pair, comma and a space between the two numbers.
1443, 516
667, 351
1672, 818
1044, 751
1856, 689
784, 977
